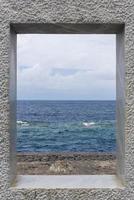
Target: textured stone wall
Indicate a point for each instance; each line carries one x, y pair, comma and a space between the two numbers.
67, 16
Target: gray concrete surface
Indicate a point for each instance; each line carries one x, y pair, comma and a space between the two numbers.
62, 16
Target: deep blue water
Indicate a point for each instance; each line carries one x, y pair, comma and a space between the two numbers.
67, 126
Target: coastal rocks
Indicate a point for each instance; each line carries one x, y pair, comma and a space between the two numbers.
66, 164
61, 167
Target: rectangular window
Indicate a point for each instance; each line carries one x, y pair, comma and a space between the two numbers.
66, 101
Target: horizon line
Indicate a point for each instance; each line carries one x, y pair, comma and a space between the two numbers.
66, 99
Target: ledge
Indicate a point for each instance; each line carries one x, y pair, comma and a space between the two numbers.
68, 181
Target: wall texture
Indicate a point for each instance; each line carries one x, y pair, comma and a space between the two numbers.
72, 16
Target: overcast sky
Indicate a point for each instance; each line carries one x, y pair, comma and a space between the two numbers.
66, 67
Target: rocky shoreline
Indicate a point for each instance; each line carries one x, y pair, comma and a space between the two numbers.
66, 163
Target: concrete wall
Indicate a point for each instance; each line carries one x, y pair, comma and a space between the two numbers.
61, 16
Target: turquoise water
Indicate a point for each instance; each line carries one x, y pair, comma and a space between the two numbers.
66, 126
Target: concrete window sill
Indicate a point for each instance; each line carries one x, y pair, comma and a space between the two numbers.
68, 181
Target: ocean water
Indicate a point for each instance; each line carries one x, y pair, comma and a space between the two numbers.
66, 126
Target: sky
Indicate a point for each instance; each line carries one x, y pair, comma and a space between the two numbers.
66, 67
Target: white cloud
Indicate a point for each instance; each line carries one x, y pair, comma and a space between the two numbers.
66, 66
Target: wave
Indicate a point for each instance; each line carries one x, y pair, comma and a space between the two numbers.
19, 122
88, 124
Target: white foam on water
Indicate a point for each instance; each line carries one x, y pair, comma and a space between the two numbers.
88, 124
22, 123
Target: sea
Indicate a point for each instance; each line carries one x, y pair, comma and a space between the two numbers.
66, 126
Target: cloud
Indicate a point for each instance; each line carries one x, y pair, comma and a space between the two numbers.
66, 66
66, 71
